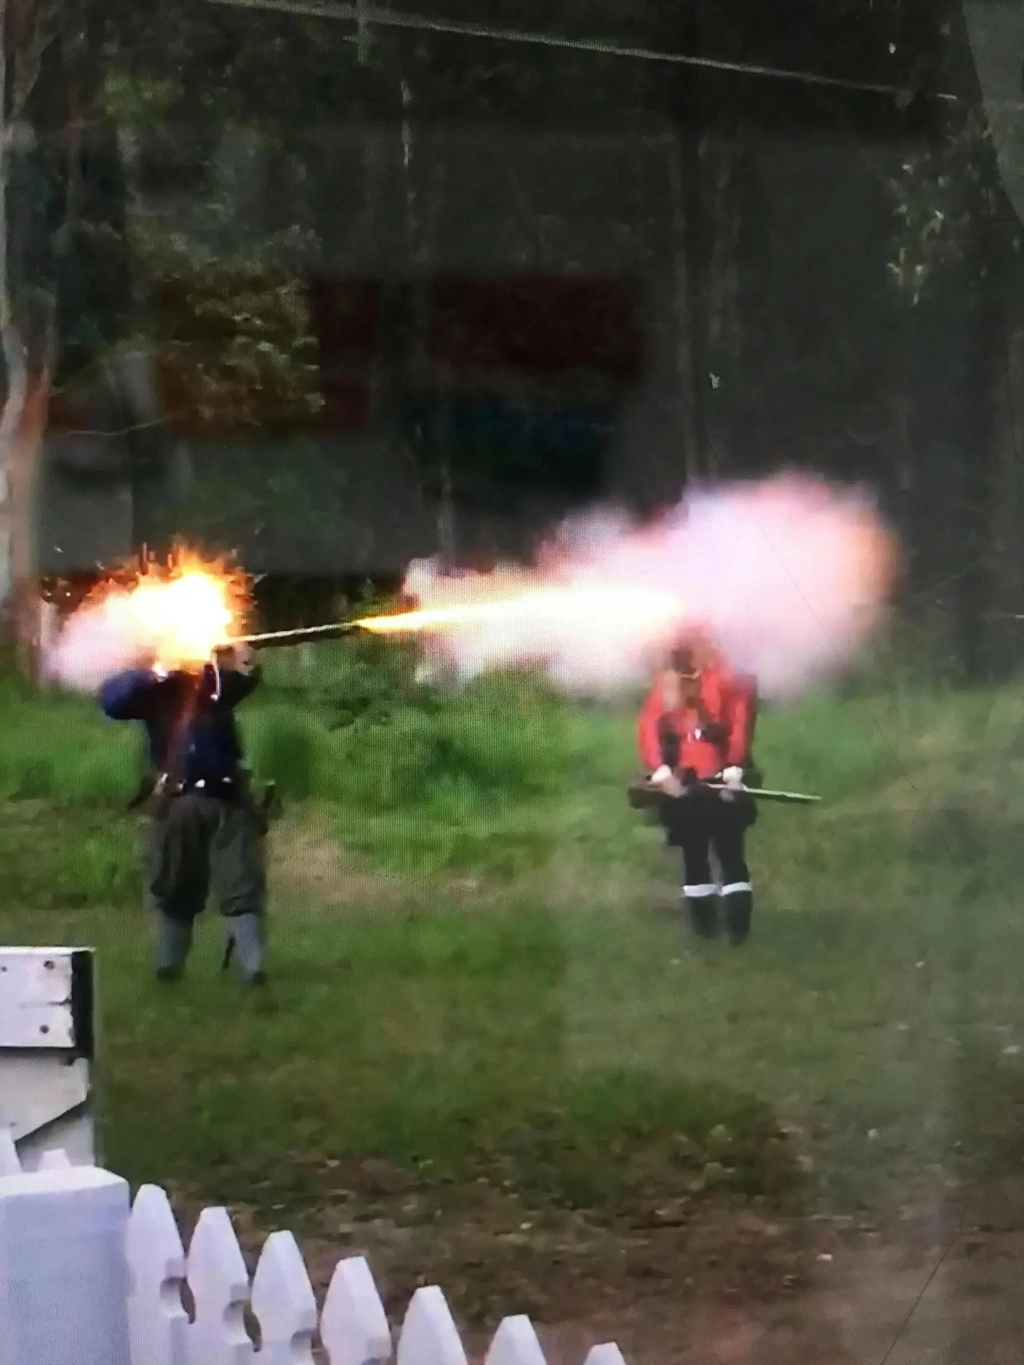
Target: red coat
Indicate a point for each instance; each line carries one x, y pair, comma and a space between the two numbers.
727, 706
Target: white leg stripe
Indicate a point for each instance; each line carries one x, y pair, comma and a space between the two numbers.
736, 887
697, 893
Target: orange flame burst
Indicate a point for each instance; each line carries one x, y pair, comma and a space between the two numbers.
178, 611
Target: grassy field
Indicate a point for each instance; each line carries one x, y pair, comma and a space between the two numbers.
481, 980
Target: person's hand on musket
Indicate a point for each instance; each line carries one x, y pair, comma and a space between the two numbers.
235, 659
665, 780
739, 778
733, 780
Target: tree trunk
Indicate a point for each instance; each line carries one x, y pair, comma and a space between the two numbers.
21, 421
419, 255
28, 321
986, 369
687, 109
25, 466
725, 212
11, 486
687, 398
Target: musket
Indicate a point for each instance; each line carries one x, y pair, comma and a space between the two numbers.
765, 794
644, 794
274, 639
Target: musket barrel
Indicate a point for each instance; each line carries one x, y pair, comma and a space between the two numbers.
766, 794
643, 794
278, 639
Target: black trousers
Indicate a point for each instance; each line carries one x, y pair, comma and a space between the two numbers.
197, 843
703, 824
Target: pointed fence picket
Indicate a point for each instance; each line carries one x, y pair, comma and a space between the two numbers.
352, 1328
515, 1343
353, 1325
156, 1329
283, 1304
157, 1322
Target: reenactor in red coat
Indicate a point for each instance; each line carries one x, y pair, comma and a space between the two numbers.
697, 725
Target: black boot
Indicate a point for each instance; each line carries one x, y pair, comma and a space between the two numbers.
738, 904
702, 909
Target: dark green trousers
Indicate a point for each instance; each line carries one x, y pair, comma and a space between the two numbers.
196, 845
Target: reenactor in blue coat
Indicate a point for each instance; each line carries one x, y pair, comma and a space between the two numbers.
205, 829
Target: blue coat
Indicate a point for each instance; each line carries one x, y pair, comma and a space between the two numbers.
181, 712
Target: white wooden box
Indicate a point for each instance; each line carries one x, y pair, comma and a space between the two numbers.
47, 1044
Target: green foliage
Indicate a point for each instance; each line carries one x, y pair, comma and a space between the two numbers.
248, 352
286, 746
497, 778
369, 740
490, 743
131, 100
66, 858
939, 197
64, 752
833, 749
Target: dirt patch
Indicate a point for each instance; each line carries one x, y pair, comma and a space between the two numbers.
705, 1275
305, 863
721, 1283
938, 1283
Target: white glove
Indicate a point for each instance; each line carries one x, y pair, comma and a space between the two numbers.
665, 780
160, 673
732, 777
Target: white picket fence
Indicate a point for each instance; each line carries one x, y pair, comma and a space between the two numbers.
90, 1277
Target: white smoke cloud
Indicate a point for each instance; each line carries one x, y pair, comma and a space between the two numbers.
787, 575
174, 619
96, 642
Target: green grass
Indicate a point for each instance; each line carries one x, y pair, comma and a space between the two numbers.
479, 975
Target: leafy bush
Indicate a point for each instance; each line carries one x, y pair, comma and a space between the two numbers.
63, 752
830, 746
